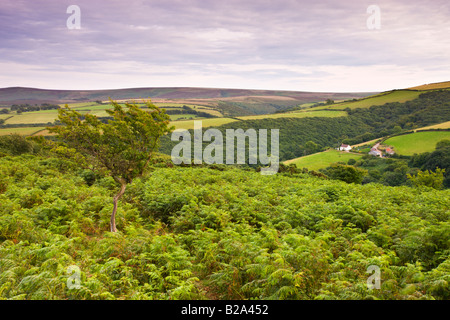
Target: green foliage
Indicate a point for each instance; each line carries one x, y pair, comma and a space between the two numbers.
121, 148
347, 173
15, 144
445, 143
203, 233
429, 179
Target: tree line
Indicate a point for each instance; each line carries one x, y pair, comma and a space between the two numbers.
188, 110
28, 108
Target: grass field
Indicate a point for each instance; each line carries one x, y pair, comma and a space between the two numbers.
46, 116
33, 117
210, 122
175, 117
444, 125
380, 99
323, 159
78, 104
299, 114
213, 122
165, 105
92, 107
22, 131
418, 142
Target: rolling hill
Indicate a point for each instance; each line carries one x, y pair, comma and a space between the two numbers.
378, 99
15, 95
418, 142
432, 86
200, 232
323, 159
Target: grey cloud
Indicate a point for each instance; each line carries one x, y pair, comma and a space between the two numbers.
183, 32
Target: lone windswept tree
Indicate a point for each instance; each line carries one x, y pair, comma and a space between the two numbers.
121, 148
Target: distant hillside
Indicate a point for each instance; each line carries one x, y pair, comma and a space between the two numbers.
375, 100
432, 86
16, 95
396, 95
418, 142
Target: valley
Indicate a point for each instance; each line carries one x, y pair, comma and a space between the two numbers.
211, 106
213, 231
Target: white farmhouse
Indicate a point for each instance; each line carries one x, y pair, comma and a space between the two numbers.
345, 147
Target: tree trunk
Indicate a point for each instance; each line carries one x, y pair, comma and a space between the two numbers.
116, 199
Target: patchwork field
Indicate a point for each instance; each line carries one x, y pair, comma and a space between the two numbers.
418, 142
444, 125
22, 131
298, 114
323, 159
433, 86
49, 116
33, 117
380, 99
211, 122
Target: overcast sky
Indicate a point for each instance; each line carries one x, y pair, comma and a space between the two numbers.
320, 45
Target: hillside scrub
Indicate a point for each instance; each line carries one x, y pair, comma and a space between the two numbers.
196, 233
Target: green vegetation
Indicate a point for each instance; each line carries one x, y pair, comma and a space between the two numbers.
443, 125
223, 232
39, 117
346, 173
16, 144
359, 126
323, 159
214, 122
26, 131
121, 148
23, 115
418, 142
430, 169
301, 114
178, 117
438, 159
428, 178
203, 233
380, 99
433, 86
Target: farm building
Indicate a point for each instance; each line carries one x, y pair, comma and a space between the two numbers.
390, 151
375, 152
345, 147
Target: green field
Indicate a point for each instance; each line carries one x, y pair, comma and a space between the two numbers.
22, 131
210, 122
298, 114
78, 104
214, 122
176, 117
443, 125
379, 99
33, 117
46, 116
418, 142
323, 159
92, 107
197, 233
